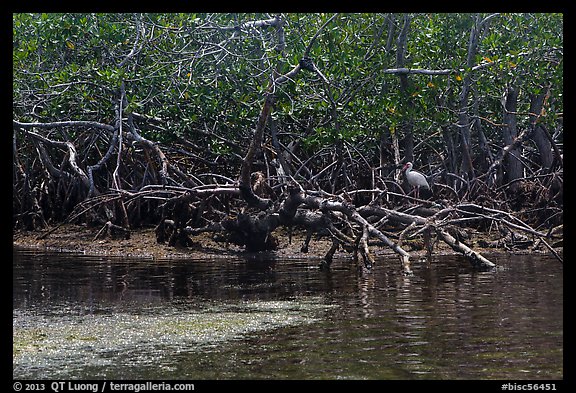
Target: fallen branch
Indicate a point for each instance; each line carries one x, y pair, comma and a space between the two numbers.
351, 213
476, 258
114, 231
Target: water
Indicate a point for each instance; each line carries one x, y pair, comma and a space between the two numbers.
88, 317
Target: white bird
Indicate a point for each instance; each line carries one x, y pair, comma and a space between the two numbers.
415, 179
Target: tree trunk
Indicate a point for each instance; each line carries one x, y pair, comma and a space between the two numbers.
463, 118
407, 126
450, 149
544, 147
246, 169
539, 132
512, 163
485, 157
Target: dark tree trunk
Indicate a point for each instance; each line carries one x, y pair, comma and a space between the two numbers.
544, 147
463, 117
512, 163
450, 150
408, 126
539, 133
485, 157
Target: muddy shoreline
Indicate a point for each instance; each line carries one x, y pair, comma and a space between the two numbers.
142, 243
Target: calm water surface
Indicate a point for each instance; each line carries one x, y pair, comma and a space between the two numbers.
92, 317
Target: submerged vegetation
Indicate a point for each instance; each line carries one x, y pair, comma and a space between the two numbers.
242, 123
103, 341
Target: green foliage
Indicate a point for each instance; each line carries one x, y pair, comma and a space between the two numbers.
187, 70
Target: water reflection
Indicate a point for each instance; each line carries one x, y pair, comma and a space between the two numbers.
445, 322
52, 278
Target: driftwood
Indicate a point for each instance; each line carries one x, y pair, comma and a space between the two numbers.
114, 231
323, 216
